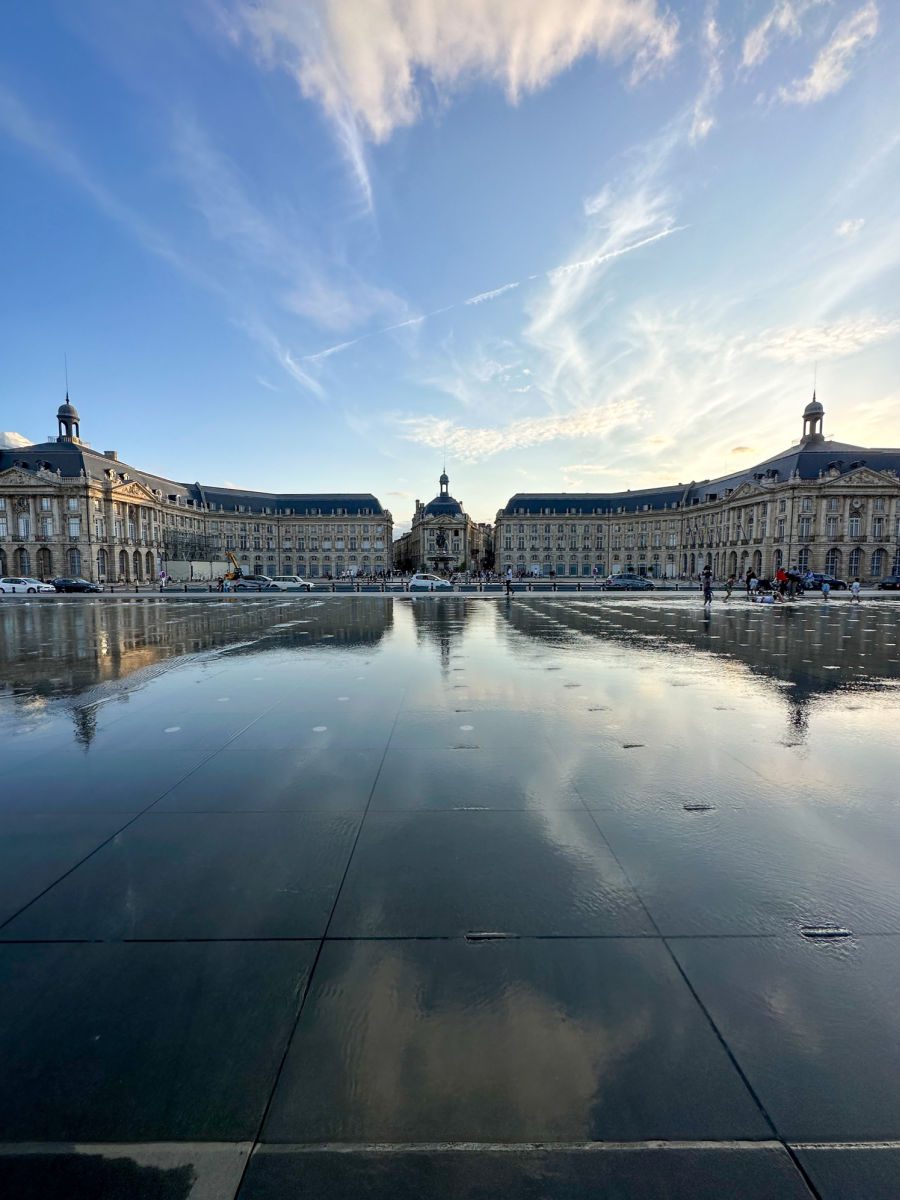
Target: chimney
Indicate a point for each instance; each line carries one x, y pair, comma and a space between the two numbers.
113, 454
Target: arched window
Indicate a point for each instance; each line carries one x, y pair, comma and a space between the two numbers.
895, 569
757, 561
2, 561
877, 568
22, 561
855, 562
102, 565
123, 565
151, 566
803, 559
44, 563
73, 560
777, 559
138, 567
833, 561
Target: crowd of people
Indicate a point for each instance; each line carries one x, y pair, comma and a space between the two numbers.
787, 585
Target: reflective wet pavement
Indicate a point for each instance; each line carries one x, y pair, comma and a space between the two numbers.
449, 896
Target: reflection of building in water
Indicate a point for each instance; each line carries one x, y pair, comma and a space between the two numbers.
440, 620
71, 649
811, 651
821, 505
66, 509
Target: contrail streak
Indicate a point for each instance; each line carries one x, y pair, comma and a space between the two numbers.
584, 264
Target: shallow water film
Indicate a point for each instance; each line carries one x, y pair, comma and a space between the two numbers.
446, 896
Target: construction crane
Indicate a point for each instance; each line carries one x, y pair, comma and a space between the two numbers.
235, 572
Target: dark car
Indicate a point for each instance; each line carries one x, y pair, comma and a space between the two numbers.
629, 583
814, 582
76, 585
890, 583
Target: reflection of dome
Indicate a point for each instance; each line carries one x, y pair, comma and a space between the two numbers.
68, 410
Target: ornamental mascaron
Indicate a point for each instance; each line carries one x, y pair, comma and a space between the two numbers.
820, 505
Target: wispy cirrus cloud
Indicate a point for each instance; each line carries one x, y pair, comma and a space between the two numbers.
369, 64
702, 119
850, 227
12, 441
832, 66
783, 21
805, 345
474, 443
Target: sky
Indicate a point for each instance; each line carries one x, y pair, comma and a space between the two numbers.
328, 245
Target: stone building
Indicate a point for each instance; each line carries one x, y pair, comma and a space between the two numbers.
820, 505
443, 536
66, 509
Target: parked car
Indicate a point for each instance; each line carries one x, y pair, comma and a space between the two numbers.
424, 582
76, 585
629, 583
22, 583
291, 583
253, 583
814, 581
890, 583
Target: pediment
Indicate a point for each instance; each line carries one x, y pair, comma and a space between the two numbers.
861, 477
131, 490
743, 492
16, 477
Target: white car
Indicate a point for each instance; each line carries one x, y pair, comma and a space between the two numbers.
21, 583
423, 582
291, 583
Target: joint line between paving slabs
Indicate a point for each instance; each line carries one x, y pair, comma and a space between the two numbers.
136, 816
318, 955
756, 1100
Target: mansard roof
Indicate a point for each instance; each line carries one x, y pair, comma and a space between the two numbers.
70, 460
795, 462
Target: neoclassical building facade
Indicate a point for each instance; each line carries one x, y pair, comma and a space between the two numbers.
820, 505
66, 509
443, 536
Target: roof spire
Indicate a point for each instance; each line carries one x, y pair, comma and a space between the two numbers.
66, 362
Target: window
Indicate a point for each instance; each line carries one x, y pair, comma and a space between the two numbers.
877, 529
74, 527
855, 560
46, 527
779, 527
782, 506
72, 504
805, 527
832, 504
806, 504
24, 527
2, 504
878, 503
4, 529
45, 504
853, 526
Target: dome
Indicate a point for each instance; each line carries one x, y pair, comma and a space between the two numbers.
444, 479
813, 408
443, 506
68, 410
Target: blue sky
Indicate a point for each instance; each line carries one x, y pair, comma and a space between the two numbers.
315, 244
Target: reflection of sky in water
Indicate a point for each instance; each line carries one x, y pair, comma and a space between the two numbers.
806, 691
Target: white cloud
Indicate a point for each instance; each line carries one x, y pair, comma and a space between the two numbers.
831, 68
851, 227
782, 21
805, 345
702, 120
472, 444
12, 441
368, 63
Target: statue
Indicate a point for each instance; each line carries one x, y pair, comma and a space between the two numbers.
441, 540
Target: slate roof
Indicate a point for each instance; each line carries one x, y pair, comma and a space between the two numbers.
70, 459
808, 462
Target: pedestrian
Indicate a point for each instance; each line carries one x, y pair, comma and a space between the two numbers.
753, 586
826, 588
509, 585
707, 589
854, 590
729, 586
